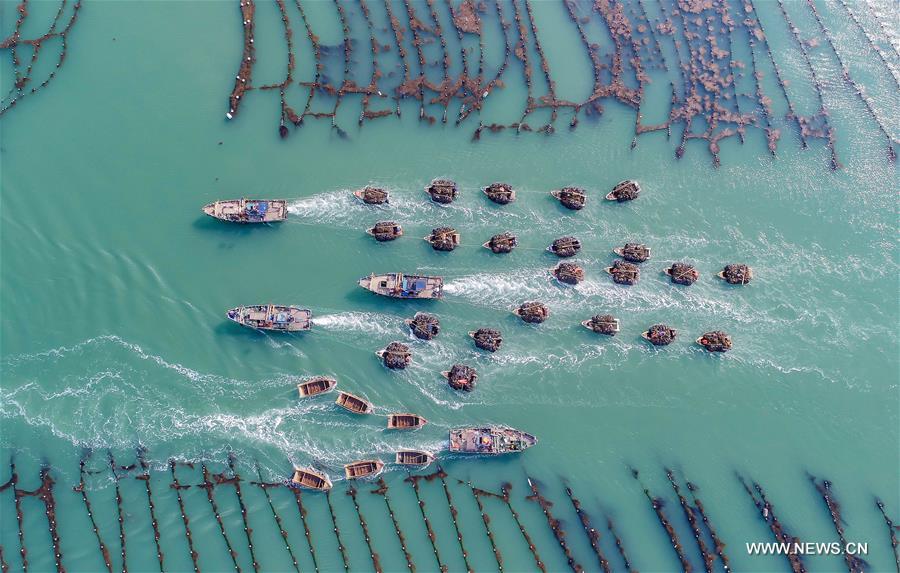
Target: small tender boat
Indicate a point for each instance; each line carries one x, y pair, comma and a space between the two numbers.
624, 191
443, 239
248, 210
418, 458
354, 404
572, 198
363, 469
371, 195
311, 479
385, 231
316, 386
501, 243
442, 191
500, 193
398, 285
602, 324
715, 341
491, 440
272, 317
659, 335
633, 252
405, 421
736, 274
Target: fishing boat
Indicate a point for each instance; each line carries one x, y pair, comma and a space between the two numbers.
363, 469
248, 210
491, 440
311, 479
405, 421
272, 317
316, 386
354, 404
624, 191
417, 458
398, 285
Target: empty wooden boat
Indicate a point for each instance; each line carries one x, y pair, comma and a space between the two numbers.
405, 421
272, 317
354, 404
311, 479
417, 458
398, 285
491, 440
316, 386
248, 210
363, 469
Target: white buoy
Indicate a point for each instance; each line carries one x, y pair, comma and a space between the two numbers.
228, 115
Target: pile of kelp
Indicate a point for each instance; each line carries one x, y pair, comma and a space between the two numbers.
432, 53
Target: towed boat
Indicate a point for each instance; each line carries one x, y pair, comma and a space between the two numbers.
353, 403
384, 231
248, 210
418, 458
492, 440
405, 421
602, 324
316, 386
624, 191
372, 195
633, 252
398, 285
311, 479
272, 317
363, 469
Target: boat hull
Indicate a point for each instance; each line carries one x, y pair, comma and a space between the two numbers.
248, 211
309, 478
414, 458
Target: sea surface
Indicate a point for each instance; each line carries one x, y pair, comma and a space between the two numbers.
114, 289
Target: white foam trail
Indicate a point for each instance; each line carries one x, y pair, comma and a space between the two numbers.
368, 322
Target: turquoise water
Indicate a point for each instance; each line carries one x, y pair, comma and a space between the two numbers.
114, 288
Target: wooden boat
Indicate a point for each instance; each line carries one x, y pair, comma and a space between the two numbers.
491, 440
372, 195
405, 421
363, 469
354, 404
414, 458
385, 231
633, 252
682, 274
443, 239
736, 274
398, 285
271, 317
624, 191
666, 335
316, 386
602, 324
248, 210
311, 479
500, 193
572, 198
442, 191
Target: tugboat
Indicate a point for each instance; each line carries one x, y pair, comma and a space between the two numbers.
487, 339
385, 231
398, 285
424, 326
405, 421
248, 210
602, 324
624, 273
502, 243
461, 377
568, 273
395, 356
715, 341
624, 191
633, 252
533, 312
500, 193
659, 335
419, 458
443, 239
363, 469
372, 195
272, 317
682, 274
572, 198
316, 386
736, 274
565, 247
492, 440
442, 191
354, 404
311, 479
